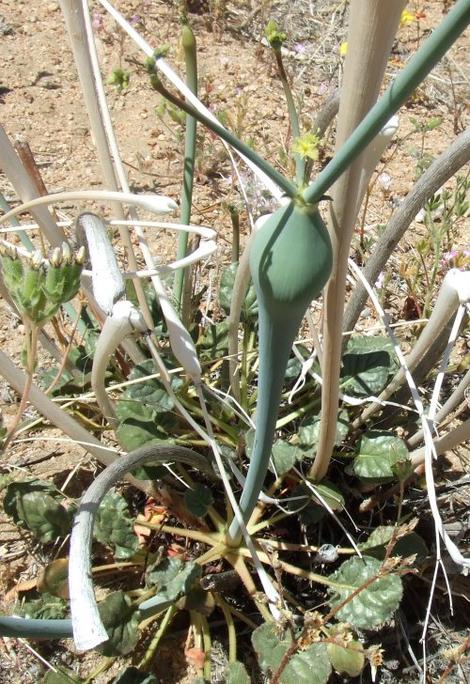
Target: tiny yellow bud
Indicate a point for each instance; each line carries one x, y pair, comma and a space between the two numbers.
343, 49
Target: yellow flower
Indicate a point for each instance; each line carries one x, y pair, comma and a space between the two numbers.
343, 48
307, 146
407, 18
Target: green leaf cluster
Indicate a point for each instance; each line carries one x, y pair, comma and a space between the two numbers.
38, 507
115, 527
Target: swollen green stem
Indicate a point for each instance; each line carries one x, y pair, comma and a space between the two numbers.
293, 116
290, 262
190, 55
402, 87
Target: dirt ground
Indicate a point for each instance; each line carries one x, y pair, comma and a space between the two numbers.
41, 103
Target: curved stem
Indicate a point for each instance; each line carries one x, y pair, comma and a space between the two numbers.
87, 626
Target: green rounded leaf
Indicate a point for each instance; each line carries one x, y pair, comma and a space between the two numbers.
310, 430
372, 606
367, 365
37, 506
121, 621
310, 666
115, 527
405, 546
198, 499
378, 454
350, 660
46, 607
235, 673
249, 311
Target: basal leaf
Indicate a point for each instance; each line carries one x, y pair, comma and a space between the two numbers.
214, 341
405, 546
375, 604
235, 673
310, 430
350, 660
249, 311
46, 607
310, 510
150, 392
121, 621
378, 453
37, 506
198, 499
284, 456
134, 408
115, 527
173, 579
309, 666
132, 433
367, 364
132, 675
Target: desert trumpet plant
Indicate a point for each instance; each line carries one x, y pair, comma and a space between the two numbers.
290, 262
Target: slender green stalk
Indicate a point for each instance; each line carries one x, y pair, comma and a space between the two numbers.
289, 188
146, 661
402, 87
293, 116
232, 632
190, 55
35, 629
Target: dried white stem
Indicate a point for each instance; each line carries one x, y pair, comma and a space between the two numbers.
88, 628
372, 27
18, 177
124, 320
445, 306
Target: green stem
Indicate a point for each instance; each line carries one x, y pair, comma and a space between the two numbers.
278, 338
232, 633
190, 55
35, 629
293, 116
146, 661
289, 188
402, 87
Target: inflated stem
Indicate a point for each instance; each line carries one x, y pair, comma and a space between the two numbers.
290, 262
442, 168
190, 55
88, 629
